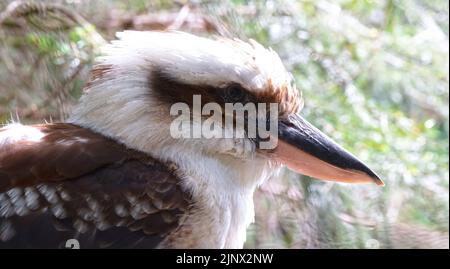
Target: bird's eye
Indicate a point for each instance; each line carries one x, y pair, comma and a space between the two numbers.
234, 94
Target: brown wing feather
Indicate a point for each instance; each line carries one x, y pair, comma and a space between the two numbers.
78, 184
66, 151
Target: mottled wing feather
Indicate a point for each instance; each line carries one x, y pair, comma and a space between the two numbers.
86, 187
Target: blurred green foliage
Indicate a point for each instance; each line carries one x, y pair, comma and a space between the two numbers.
374, 76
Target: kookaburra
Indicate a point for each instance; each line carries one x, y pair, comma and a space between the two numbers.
114, 176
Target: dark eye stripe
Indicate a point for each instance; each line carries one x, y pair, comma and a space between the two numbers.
171, 91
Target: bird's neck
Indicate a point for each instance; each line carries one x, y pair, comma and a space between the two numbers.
222, 188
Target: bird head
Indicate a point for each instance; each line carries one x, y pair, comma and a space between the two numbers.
143, 77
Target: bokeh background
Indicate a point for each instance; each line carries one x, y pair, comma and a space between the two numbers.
374, 76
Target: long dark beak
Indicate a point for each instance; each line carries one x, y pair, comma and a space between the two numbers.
306, 150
